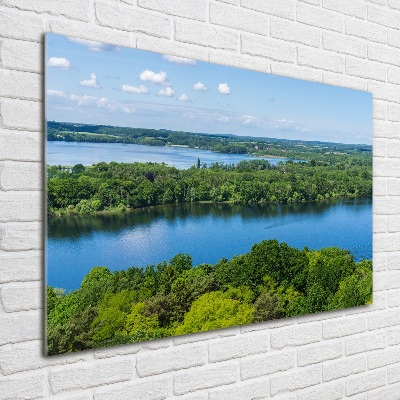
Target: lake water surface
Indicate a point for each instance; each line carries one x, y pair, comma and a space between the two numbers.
72, 153
207, 232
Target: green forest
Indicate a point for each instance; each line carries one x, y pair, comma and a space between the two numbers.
230, 144
272, 281
121, 186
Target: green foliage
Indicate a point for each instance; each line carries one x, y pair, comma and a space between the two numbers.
123, 186
272, 281
213, 311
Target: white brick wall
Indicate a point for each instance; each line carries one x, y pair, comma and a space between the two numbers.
343, 354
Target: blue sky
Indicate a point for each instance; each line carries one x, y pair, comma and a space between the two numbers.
96, 83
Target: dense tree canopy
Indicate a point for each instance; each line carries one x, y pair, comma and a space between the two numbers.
272, 281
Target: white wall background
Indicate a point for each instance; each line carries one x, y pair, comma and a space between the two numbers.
335, 355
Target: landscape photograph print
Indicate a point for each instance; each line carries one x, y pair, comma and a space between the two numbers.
186, 196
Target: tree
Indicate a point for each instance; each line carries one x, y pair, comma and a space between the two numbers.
213, 311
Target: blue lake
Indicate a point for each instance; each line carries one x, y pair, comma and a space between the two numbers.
72, 153
207, 232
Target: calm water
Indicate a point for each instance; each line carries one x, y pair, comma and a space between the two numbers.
207, 232
72, 153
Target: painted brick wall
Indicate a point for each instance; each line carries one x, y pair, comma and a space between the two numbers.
353, 353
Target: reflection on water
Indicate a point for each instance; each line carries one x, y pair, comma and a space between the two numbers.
207, 232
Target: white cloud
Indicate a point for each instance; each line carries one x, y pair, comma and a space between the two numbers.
83, 100
91, 82
179, 60
184, 97
94, 46
248, 119
223, 88
135, 89
153, 77
223, 118
167, 92
57, 93
59, 62
200, 86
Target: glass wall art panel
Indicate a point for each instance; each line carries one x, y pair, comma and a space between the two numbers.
185, 196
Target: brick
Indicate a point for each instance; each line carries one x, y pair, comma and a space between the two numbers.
365, 69
92, 375
181, 8
205, 35
249, 391
267, 364
393, 112
149, 390
238, 18
131, 19
393, 148
343, 327
295, 32
365, 30
25, 387
344, 44
379, 187
296, 335
207, 335
386, 280
79, 9
365, 382
230, 1
295, 71
269, 48
386, 206
383, 358
383, 54
393, 374
20, 267
319, 17
319, 353
22, 146
393, 261
393, 186
387, 242
235, 347
350, 82
283, 9
379, 111
20, 175
385, 394
21, 236
172, 359
384, 16
320, 59
343, 367
327, 392
22, 56
383, 319
394, 4
393, 38
88, 31
28, 323
204, 378
20, 26
365, 342
302, 378
384, 91
379, 146
354, 8
379, 261
386, 129
21, 206
393, 336
15, 298
28, 356
239, 60
22, 114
